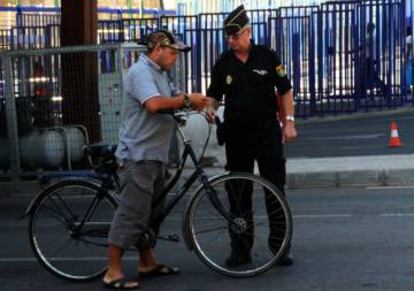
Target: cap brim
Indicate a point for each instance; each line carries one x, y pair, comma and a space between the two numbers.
180, 46
232, 29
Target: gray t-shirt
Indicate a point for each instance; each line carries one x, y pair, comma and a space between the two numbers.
144, 135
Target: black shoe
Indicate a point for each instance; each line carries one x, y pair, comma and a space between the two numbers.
285, 260
238, 258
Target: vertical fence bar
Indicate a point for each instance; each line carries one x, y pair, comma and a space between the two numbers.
325, 48
12, 132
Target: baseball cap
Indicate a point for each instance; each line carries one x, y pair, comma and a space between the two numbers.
166, 39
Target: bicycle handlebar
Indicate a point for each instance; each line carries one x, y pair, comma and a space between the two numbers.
181, 119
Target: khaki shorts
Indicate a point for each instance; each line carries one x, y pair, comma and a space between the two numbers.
141, 183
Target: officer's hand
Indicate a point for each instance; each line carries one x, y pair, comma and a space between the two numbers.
198, 101
211, 110
289, 131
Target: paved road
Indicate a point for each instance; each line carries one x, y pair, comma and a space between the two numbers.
344, 239
353, 135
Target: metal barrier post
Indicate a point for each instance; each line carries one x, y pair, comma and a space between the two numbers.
12, 132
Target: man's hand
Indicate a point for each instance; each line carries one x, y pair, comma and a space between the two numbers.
289, 131
198, 101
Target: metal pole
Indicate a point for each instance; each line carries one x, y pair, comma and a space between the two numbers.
129, 7
12, 131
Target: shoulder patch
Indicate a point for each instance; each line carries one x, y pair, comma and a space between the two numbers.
281, 71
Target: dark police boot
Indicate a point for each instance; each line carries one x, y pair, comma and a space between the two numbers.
238, 258
286, 259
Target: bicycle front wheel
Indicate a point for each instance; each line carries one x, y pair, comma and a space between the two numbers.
239, 214
68, 229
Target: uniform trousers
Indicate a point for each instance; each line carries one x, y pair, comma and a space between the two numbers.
244, 146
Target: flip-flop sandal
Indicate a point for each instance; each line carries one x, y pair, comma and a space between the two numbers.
120, 284
160, 270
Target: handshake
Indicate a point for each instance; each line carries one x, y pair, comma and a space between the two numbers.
197, 101
201, 102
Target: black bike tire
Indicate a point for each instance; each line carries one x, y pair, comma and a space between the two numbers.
189, 222
45, 193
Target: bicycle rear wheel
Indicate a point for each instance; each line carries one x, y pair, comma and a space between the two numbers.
242, 213
68, 229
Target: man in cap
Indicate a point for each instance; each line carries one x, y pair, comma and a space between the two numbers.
142, 153
247, 76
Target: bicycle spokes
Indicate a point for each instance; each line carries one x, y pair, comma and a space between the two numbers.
239, 215
69, 230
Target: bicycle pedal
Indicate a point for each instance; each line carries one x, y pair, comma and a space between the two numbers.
174, 237
170, 237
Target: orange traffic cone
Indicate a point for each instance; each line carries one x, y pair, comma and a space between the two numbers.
394, 139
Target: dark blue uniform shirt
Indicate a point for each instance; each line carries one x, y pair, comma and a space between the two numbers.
248, 88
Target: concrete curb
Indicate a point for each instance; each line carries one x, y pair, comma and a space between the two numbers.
358, 178
297, 180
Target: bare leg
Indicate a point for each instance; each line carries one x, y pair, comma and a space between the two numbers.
147, 260
149, 266
114, 271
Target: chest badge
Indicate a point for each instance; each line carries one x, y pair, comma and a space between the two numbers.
260, 72
281, 71
229, 79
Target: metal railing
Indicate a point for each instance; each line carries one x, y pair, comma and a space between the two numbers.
327, 49
56, 100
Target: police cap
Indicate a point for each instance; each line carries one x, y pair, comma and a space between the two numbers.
236, 20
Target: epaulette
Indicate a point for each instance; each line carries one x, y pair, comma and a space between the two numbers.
265, 48
223, 55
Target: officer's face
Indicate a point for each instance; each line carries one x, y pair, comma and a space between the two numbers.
239, 41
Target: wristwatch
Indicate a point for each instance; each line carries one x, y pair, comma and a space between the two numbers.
290, 118
187, 101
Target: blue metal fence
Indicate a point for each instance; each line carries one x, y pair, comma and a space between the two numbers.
30, 19
337, 57
292, 35
342, 56
381, 55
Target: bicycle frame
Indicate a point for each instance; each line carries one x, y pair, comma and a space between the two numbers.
110, 180
86, 224
198, 173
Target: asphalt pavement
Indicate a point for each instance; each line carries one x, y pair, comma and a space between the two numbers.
349, 150
348, 239
344, 239
352, 150
334, 151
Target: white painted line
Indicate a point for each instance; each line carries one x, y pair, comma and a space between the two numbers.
389, 188
17, 260
321, 215
264, 217
396, 214
30, 260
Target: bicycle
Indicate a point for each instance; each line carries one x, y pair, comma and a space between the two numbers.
70, 219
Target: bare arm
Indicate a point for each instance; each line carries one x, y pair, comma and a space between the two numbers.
288, 104
163, 104
289, 130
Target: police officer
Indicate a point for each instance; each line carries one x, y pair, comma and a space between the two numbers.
247, 75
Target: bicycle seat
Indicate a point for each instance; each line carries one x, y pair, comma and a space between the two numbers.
98, 150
